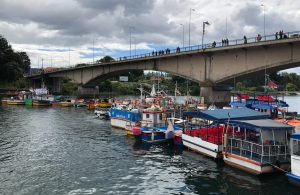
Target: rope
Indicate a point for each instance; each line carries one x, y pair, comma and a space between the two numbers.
276, 167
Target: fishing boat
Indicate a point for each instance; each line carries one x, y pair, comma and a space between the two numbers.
102, 113
262, 103
28, 101
294, 175
15, 102
204, 134
66, 103
41, 103
104, 103
157, 125
124, 116
4, 100
257, 146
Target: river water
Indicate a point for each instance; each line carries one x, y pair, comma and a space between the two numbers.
68, 151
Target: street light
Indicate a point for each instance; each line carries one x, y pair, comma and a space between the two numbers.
130, 28
182, 35
203, 32
264, 21
190, 27
93, 48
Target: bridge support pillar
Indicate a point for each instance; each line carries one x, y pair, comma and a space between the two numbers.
215, 96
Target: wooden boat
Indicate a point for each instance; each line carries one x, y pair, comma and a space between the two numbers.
294, 175
28, 102
205, 135
16, 102
66, 104
122, 118
4, 100
102, 113
42, 103
257, 146
104, 105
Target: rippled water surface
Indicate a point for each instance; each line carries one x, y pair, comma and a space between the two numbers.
68, 151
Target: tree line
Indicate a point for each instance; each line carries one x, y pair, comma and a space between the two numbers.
12, 64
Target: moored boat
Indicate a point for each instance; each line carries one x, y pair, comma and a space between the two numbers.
205, 135
102, 113
67, 103
294, 175
257, 146
15, 102
41, 103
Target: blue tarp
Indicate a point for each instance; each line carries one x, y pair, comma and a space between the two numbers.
221, 115
264, 124
126, 115
295, 136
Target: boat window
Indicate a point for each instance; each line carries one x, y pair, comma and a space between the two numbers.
147, 115
296, 147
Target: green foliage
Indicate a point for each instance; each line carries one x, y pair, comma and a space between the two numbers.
291, 87
105, 59
68, 87
12, 64
105, 86
239, 86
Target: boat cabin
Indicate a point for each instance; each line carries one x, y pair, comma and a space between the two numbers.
257, 146
207, 137
294, 175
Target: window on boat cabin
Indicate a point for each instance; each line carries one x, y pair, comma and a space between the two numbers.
147, 115
274, 137
160, 117
295, 147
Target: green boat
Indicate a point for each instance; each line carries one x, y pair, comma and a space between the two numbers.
28, 102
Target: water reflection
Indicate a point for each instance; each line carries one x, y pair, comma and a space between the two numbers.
68, 151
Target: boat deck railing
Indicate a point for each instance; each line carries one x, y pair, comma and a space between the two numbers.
258, 152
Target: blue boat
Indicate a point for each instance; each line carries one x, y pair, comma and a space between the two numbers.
124, 118
294, 175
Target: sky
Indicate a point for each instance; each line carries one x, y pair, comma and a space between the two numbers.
67, 32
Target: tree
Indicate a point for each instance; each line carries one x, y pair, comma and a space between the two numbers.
105, 59
12, 64
291, 87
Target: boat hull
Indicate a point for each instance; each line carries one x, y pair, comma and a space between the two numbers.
41, 103
16, 102
203, 147
121, 123
294, 179
251, 166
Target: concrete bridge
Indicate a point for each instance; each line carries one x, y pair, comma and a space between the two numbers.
208, 65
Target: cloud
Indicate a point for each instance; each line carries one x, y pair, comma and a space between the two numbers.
39, 27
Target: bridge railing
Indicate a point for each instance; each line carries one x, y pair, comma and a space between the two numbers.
272, 37
267, 38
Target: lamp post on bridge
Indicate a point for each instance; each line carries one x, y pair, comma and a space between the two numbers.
264, 21
203, 32
130, 29
190, 27
182, 34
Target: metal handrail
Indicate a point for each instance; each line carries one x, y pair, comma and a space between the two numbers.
267, 38
263, 151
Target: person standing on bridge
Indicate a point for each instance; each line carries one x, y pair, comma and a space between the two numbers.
276, 35
245, 39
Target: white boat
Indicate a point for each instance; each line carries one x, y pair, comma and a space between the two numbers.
205, 135
258, 146
102, 114
294, 175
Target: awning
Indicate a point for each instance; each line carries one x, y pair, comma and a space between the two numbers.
264, 124
221, 115
296, 136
